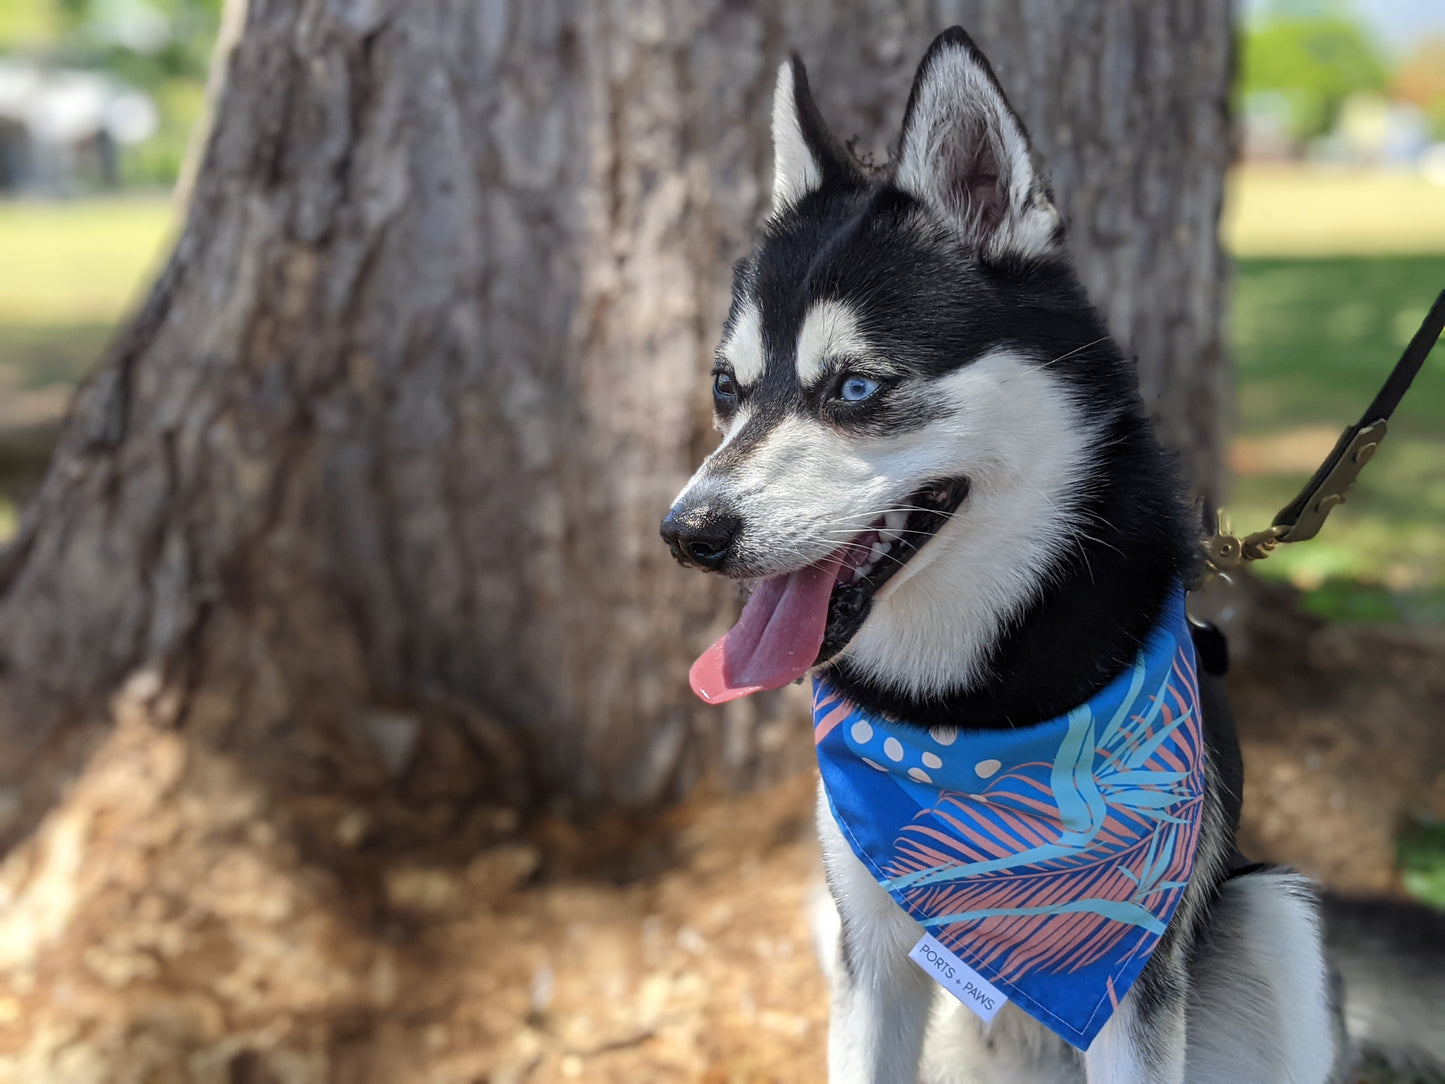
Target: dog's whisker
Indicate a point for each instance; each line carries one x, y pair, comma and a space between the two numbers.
1075, 350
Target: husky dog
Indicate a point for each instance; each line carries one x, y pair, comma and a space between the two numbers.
936, 464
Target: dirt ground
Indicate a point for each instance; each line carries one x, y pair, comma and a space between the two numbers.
703, 969
172, 923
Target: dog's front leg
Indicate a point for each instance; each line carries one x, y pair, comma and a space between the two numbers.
880, 997
1143, 1042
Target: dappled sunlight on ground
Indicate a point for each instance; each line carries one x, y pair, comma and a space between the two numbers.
1289, 452
298, 931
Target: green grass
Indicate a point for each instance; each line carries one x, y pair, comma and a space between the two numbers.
71, 272
77, 261
1422, 862
1299, 211
38, 355
25, 24
1336, 268
1313, 339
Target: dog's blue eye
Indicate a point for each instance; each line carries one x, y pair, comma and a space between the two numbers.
855, 389
724, 385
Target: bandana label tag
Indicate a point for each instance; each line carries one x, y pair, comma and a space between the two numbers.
960, 980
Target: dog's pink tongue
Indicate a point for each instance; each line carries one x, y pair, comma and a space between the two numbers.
775, 640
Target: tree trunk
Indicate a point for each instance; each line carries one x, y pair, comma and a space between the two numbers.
352, 537
426, 366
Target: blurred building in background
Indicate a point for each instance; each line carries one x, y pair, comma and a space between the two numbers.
60, 129
100, 93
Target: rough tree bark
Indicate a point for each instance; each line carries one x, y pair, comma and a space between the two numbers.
399, 417
354, 531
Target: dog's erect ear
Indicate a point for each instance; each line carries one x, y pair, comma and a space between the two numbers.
805, 154
965, 153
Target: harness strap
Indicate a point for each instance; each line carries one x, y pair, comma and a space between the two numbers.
1303, 517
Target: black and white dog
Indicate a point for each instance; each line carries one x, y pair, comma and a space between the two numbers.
936, 464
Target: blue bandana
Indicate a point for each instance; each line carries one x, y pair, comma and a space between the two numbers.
1046, 862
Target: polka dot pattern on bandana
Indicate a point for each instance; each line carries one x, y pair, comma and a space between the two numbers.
922, 756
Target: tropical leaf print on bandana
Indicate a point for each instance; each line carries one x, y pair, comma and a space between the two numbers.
1050, 858
1009, 870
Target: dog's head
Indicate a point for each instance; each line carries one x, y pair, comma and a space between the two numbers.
902, 438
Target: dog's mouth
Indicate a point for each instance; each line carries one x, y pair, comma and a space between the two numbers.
877, 555
802, 619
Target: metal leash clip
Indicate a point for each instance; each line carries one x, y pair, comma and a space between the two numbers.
1303, 517
1224, 552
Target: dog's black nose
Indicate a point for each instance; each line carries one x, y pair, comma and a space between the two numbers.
700, 536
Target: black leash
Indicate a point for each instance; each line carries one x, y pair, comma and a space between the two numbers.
1303, 517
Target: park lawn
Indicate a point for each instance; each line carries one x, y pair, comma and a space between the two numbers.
1286, 210
71, 270
78, 260
1313, 340
1334, 271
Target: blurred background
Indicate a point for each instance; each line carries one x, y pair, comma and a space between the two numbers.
688, 958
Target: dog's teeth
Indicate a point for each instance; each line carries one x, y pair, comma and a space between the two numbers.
889, 537
894, 522
878, 550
